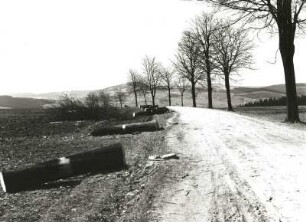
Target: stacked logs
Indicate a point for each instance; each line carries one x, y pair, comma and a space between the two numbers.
147, 110
105, 159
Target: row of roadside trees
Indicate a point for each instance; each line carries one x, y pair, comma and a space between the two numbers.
156, 76
286, 18
209, 50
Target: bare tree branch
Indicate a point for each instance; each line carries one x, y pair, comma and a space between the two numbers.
152, 75
188, 61
233, 52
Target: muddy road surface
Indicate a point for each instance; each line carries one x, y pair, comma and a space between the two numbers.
233, 168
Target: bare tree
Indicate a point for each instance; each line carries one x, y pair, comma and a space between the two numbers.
205, 28
287, 16
105, 99
167, 75
143, 88
182, 85
134, 84
69, 102
120, 96
92, 101
233, 52
152, 73
188, 61
69, 108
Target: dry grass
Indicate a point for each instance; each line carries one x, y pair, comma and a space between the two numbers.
271, 113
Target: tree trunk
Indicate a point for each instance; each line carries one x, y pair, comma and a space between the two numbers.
292, 104
105, 159
145, 98
127, 128
153, 97
182, 99
209, 90
169, 96
136, 102
228, 92
153, 100
287, 50
193, 94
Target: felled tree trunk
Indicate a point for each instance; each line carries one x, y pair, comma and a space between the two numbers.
151, 111
143, 107
127, 128
105, 159
160, 110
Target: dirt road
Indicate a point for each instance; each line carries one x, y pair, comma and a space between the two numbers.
234, 168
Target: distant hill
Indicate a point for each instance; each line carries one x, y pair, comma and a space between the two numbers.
113, 89
271, 91
9, 102
240, 95
53, 95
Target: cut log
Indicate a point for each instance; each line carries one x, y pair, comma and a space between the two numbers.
143, 107
127, 128
105, 159
161, 110
141, 113
151, 111
157, 110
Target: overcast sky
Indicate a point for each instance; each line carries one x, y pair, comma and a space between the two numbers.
67, 45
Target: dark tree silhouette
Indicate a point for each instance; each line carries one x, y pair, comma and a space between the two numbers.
167, 76
205, 28
105, 99
233, 52
92, 101
120, 96
182, 85
287, 16
134, 84
282, 101
152, 75
188, 61
143, 88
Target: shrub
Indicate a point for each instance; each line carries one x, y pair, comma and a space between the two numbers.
67, 108
94, 107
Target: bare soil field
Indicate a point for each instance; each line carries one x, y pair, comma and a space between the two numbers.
26, 138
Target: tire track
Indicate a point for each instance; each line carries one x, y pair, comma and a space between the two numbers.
232, 176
